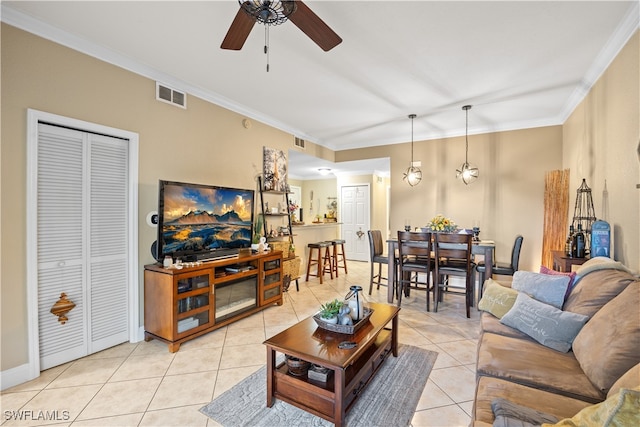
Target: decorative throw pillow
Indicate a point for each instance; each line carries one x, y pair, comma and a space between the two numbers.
571, 276
621, 410
549, 326
497, 299
543, 287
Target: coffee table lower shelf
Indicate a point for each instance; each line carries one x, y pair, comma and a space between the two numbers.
343, 387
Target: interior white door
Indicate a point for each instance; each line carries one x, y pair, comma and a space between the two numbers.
82, 246
354, 205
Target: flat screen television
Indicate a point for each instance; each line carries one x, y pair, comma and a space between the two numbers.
202, 222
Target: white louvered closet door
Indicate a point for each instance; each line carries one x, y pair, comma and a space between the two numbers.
82, 242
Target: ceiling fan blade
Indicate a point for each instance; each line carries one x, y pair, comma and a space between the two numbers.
239, 31
314, 27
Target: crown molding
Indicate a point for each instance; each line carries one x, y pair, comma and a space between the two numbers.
49, 32
611, 49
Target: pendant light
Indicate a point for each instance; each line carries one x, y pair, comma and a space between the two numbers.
467, 173
413, 175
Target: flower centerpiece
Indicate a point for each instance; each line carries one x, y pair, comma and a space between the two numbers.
293, 207
441, 224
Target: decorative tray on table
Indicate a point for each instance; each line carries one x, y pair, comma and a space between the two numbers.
344, 329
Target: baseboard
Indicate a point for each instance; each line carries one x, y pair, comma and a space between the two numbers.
14, 376
20, 374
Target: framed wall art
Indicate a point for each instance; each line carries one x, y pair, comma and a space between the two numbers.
274, 170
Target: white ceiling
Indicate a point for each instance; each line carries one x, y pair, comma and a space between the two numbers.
521, 64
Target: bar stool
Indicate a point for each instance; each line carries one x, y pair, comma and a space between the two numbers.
323, 262
338, 256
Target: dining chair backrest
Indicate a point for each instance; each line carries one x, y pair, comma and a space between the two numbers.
414, 244
453, 246
375, 243
515, 253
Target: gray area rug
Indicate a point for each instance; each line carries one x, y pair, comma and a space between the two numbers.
390, 399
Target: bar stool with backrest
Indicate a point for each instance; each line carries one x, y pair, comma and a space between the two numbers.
338, 256
453, 258
415, 262
501, 269
323, 262
376, 249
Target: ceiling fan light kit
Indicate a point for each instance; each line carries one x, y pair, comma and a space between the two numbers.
467, 173
413, 174
268, 12
275, 13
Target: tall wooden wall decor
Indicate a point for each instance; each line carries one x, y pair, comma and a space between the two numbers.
556, 211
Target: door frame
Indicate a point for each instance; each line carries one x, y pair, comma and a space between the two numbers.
368, 192
34, 117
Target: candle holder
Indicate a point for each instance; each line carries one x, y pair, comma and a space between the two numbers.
476, 234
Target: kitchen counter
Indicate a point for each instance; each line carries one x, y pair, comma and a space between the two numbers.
316, 224
312, 233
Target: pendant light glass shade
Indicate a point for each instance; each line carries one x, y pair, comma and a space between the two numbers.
413, 174
467, 172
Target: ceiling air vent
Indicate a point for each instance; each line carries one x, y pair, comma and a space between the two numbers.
298, 142
166, 94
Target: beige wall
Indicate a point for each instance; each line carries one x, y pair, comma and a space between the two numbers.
378, 197
321, 190
601, 140
200, 144
507, 199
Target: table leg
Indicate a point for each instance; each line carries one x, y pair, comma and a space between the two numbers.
271, 366
391, 270
338, 387
488, 269
394, 336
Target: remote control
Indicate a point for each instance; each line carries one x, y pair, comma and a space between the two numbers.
347, 345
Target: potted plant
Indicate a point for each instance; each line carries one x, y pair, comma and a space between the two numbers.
329, 311
256, 234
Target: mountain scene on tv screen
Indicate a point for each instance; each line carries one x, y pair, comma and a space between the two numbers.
204, 219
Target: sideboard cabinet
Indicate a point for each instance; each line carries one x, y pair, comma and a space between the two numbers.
183, 304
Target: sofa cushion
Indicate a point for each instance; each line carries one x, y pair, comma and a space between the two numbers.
529, 363
488, 389
490, 323
546, 324
497, 299
596, 289
609, 344
630, 379
510, 414
621, 410
543, 287
599, 263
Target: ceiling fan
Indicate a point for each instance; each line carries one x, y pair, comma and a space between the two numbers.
275, 13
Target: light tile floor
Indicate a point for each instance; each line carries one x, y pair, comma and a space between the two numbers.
142, 384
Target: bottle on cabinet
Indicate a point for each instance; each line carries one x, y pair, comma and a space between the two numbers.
568, 247
578, 245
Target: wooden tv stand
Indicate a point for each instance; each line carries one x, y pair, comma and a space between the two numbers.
180, 305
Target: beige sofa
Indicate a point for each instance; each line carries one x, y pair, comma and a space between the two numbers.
603, 359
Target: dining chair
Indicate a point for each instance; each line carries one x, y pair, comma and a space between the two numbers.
376, 249
500, 268
415, 263
453, 258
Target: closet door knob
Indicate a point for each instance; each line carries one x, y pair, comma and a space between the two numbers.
62, 307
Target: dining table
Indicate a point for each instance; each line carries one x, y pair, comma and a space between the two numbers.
485, 248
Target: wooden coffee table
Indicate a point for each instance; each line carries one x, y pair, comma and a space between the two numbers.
352, 369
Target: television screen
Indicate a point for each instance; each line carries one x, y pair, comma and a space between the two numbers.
200, 222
